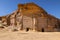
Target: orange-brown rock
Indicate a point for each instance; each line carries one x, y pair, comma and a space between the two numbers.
30, 16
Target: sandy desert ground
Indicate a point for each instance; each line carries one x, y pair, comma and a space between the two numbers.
19, 35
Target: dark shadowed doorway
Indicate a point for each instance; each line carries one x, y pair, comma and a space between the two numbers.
27, 29
42, 29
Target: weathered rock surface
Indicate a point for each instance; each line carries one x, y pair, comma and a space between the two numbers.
30, 16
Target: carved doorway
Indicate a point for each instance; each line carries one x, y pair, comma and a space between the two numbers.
27, 29
42, 29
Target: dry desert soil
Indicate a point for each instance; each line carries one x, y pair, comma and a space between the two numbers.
19, 35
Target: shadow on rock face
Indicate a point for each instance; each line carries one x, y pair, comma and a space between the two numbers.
14, 30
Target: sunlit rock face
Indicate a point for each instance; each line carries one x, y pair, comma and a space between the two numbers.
31, 17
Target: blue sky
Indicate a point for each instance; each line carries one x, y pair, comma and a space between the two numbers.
51, 6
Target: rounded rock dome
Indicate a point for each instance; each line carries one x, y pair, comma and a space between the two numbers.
31, 8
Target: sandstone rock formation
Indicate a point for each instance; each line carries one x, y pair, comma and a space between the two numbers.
31, 17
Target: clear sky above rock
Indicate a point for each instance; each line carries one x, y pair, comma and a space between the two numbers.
51, 6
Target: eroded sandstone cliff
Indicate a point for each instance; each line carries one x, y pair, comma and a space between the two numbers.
30, 16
